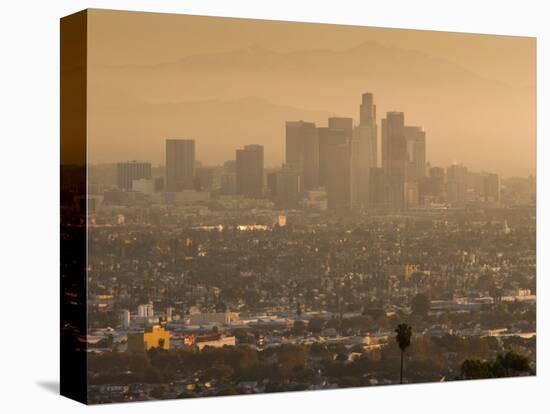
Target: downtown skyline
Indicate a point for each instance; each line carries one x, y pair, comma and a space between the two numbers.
242, 90
343, 160
159, 160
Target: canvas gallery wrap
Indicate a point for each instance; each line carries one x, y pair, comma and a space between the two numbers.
254, 206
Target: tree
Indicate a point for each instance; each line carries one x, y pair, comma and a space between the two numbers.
420, 305
476, 369
161, 343
110, 340
290, 356
348, 381
403, 338
417, 278
157, 393
341, 357
221, 373
228, 391
316, 325
298, 328
510, 364
486, 282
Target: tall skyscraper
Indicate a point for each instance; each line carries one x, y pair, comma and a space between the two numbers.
484, 187
339, 180
208, 178
437, 183
250, 171
424, 191
367, 110
394, 159
355, 155
129, 171
415, 171
284, 186
364, 149
492, 188
228, 179
377, 194
416, 149
457, 184
328, 137
302, 151
394, 145
180, 164
345, 124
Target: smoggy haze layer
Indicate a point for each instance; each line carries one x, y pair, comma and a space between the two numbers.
230, 82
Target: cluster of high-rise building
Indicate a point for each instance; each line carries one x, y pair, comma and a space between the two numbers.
335, 166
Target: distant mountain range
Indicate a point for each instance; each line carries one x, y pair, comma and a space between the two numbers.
369, 59
207, 97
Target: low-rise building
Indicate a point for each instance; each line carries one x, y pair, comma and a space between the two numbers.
214, 317
216, 341
151, 337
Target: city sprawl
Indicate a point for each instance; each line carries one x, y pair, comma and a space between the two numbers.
240, 278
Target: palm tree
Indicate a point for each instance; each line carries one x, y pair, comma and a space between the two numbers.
403, 338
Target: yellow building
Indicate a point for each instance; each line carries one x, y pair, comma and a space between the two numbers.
152, 337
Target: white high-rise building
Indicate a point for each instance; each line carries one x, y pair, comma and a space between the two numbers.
169, 311
125, 319
146, 310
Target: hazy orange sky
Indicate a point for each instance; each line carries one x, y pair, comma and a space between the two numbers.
230, 82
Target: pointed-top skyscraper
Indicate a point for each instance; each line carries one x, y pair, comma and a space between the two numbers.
367, 110
364, 150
